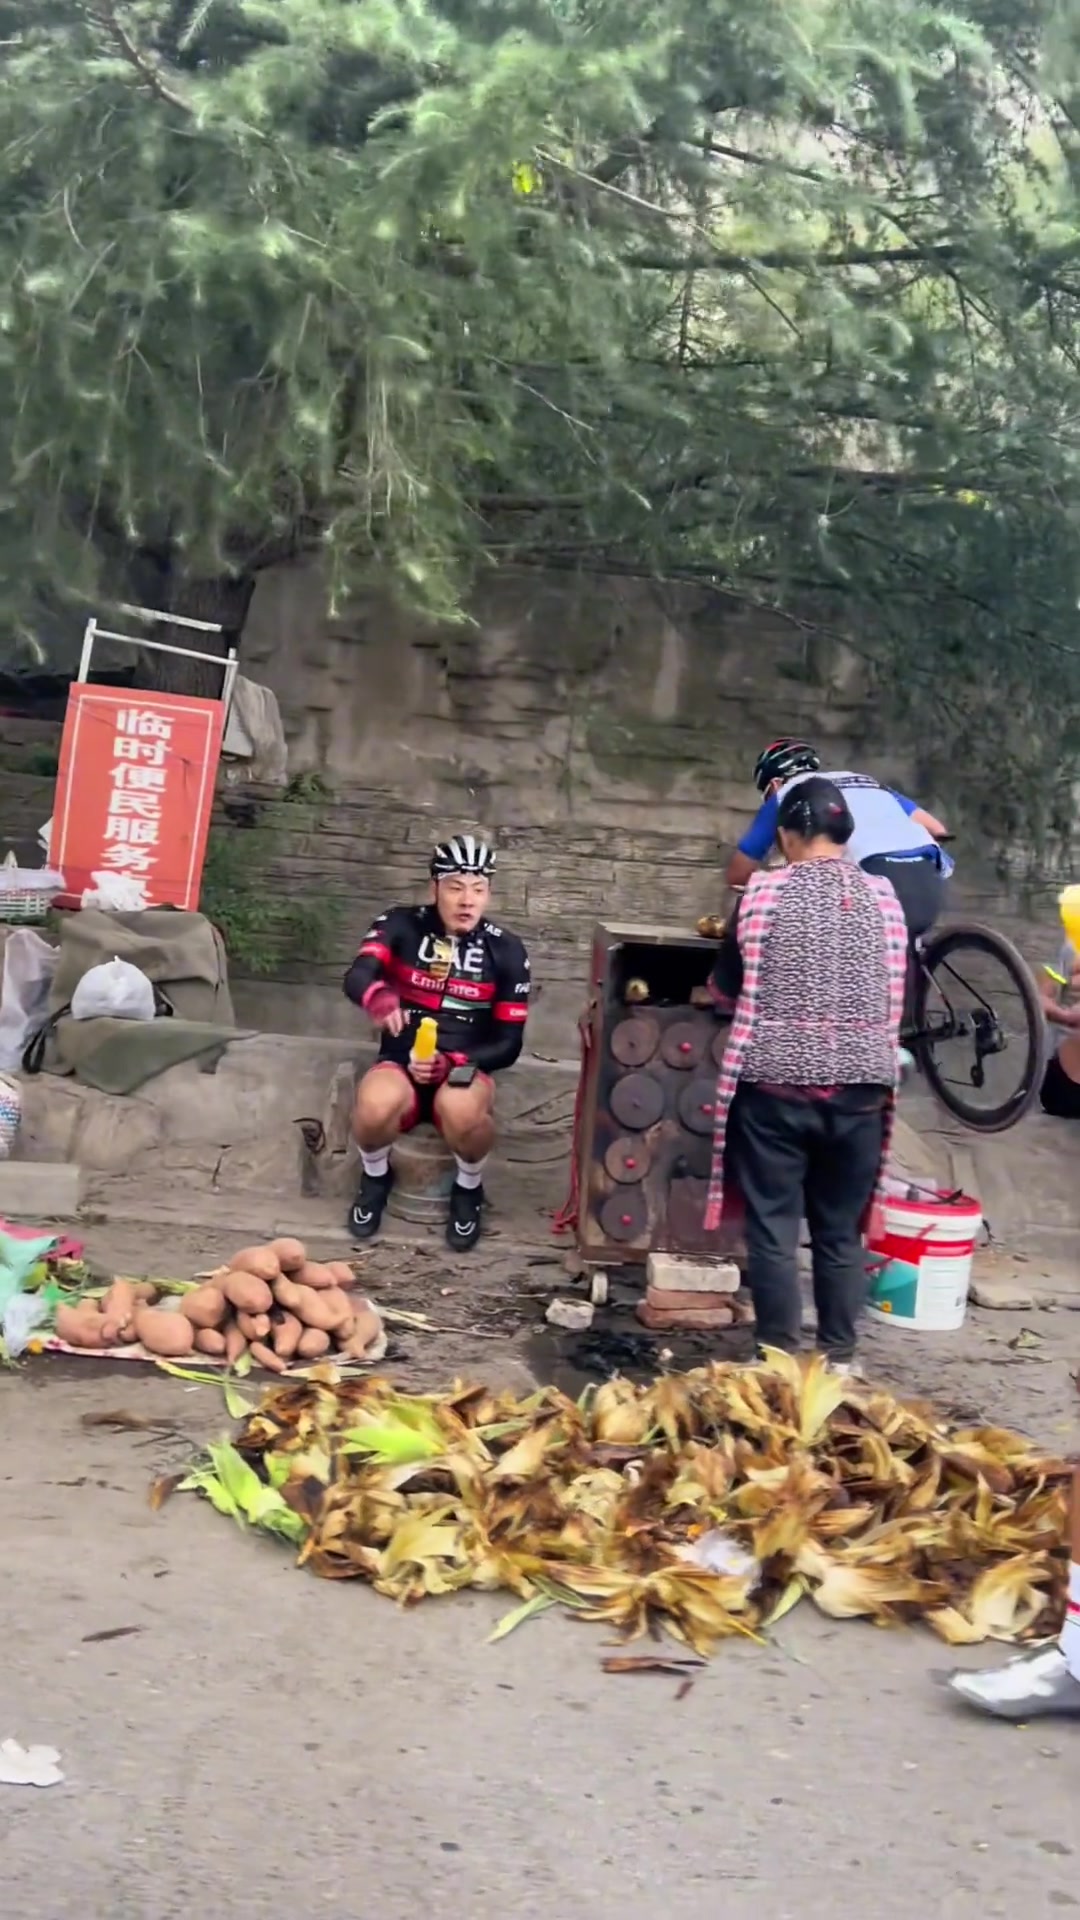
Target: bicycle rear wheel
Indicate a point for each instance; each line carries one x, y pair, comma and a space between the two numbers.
980, 1034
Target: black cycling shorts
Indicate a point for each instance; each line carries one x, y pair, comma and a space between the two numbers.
918, 884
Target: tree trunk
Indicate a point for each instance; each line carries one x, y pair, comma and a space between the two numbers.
225, 601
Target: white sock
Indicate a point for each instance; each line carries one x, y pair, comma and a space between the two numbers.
377, 1163
1070, 1632
470, 1173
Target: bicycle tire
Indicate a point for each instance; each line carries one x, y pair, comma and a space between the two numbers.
971, 937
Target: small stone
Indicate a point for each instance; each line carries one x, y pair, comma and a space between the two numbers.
1004, 1295
574, 1315
667, 1319
670, 1272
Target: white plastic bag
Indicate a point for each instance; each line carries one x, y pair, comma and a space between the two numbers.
10, 1113
29, 965
116, 893
24, 1313
28, 1766
115, 990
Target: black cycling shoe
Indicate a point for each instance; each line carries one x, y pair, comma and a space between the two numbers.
366, 1212
464, 1221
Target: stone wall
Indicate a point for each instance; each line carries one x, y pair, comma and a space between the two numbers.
28, 750
602, 730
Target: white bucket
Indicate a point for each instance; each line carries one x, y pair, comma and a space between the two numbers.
918, 1259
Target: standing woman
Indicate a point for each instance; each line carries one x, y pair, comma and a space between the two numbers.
814, 964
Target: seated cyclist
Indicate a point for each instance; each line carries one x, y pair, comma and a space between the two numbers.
447, 961
894, 837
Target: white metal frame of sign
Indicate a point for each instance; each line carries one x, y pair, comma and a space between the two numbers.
227, 662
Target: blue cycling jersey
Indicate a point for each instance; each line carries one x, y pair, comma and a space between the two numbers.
883, 822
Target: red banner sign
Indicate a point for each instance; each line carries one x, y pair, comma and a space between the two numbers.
135, 790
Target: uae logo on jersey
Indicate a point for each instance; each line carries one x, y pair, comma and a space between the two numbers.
436, 957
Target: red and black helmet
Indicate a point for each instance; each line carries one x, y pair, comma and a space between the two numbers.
783, 760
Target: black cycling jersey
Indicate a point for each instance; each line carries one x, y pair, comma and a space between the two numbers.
476, 985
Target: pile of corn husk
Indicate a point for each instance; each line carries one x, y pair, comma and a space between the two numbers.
814, 1484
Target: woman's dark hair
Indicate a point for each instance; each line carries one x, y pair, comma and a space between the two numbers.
816, 810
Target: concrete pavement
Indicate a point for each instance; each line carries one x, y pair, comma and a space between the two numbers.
270, 1743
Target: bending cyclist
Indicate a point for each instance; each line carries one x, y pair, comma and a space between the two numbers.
893, 837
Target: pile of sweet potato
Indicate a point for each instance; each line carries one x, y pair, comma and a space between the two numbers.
271, 1301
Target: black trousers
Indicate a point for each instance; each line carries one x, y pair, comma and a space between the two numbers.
919, 885
812, 1158
1059, 1095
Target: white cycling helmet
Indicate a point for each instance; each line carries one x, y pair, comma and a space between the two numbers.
463, 854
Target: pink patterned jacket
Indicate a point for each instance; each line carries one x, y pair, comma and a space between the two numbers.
756, 919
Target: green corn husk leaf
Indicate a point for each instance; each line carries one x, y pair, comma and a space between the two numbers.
201, 1480
237, 1405
279, 1468
251, 1502
790, 1597
517, 1616
240, 1480
404, 1430
392, 1445
195, 1376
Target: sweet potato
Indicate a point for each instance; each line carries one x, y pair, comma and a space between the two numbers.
235, 1344
118, 1314
314, 1274
325, 1307
366, 1329
289, 1254
81, 1326
287, 1294
260, 1261
246, 1291
253, 1326
206, 1307
145, 1292
313, 1343
286, 1330
343, 1305
265, 1356
209, 1340
168, 1334
344, 1275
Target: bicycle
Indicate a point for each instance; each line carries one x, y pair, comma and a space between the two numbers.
969, 1016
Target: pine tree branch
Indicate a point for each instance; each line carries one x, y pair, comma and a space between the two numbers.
946, 254
772, 161
104, 15
721, 99
943, 252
